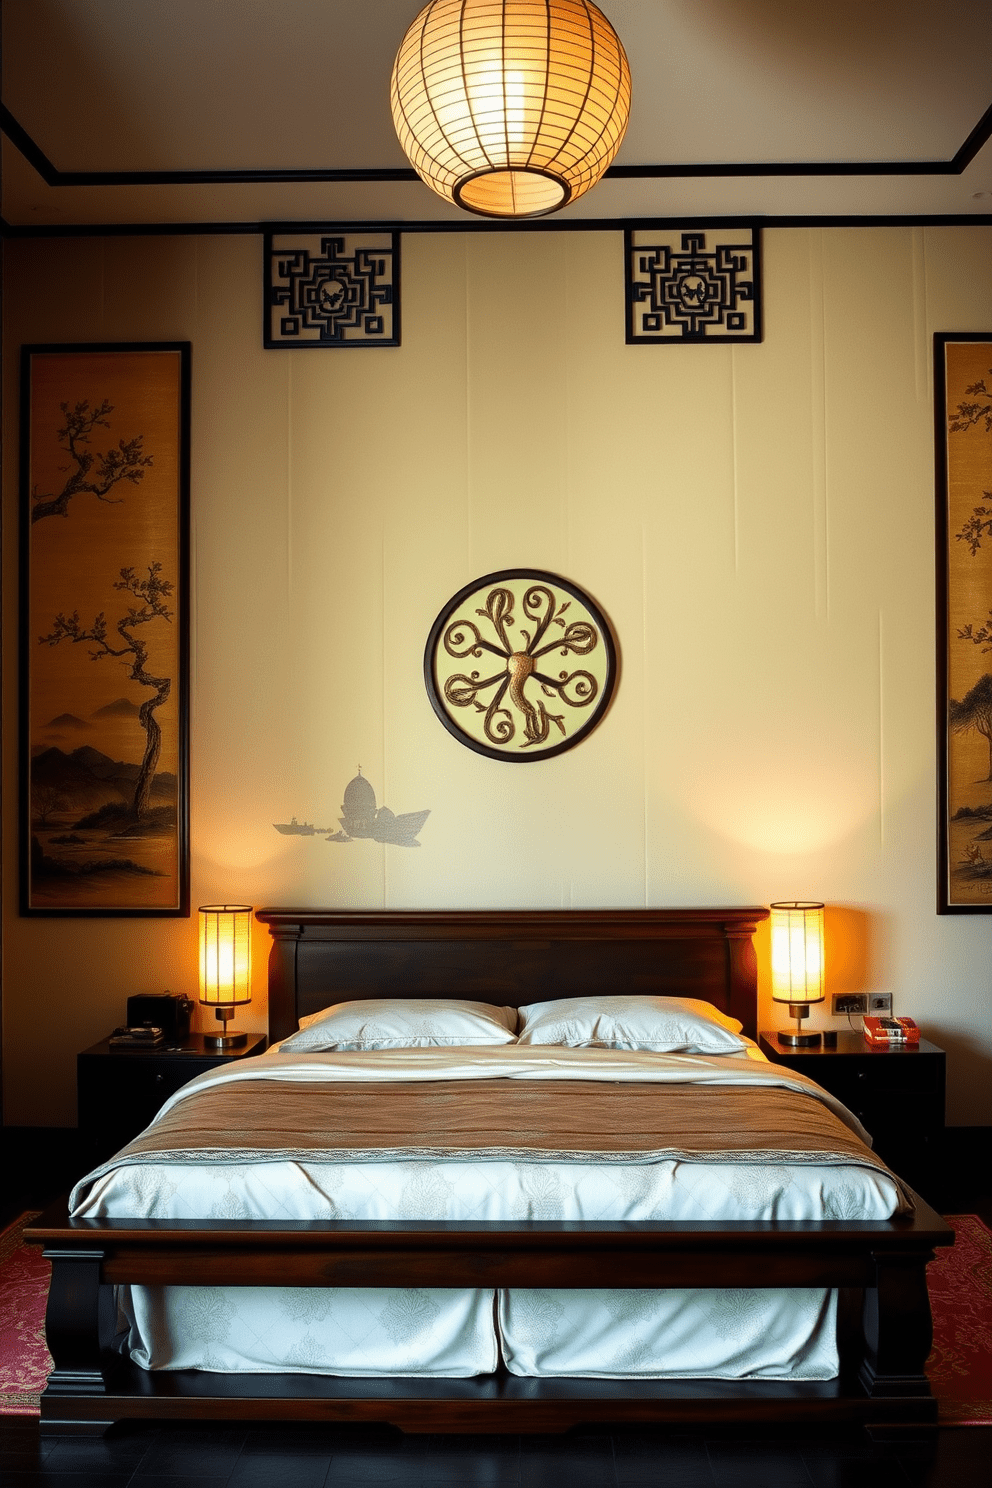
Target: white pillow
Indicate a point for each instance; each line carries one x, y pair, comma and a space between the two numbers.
397, 1023
667, 1025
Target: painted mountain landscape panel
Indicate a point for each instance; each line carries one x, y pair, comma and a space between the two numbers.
104, 641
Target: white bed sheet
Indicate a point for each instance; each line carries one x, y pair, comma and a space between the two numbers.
673, 1189
616, 1333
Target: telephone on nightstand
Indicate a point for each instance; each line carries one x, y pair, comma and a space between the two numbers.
144, 1037
164, 1010
891, 1031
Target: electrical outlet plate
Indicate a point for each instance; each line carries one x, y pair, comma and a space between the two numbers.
850, 1003
880, 1002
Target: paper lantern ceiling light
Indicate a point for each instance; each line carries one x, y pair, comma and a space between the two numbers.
510, 108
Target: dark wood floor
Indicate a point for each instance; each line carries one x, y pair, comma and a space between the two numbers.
38, 1165
345, 1457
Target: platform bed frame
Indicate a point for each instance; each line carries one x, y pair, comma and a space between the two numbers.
320, 957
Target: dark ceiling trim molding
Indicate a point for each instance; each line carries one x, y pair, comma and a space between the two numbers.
473, 225
22, 141
52, 176
953, 167
976, 139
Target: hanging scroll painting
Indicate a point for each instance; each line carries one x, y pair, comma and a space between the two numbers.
104, 629
963, 442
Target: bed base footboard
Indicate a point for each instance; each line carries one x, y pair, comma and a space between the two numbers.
882, 1378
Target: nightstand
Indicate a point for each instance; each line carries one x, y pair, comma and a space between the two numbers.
120, 1090
897, 1095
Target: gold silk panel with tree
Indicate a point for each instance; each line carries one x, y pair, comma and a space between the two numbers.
104, 633
963, 390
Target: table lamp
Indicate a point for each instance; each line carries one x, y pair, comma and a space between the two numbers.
797, 965
225, 966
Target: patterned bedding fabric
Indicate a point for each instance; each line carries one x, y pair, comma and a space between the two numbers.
510, 1133
515, 1102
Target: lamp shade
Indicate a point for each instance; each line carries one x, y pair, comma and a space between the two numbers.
797, 952
510, 108
225, 954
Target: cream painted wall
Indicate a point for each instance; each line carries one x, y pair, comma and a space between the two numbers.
757, 521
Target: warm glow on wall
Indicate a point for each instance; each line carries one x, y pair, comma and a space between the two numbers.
225, 964
510, 108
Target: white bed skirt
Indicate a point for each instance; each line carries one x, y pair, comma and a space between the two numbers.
362, 1331
771, 1333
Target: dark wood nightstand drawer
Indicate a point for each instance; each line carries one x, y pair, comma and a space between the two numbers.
907, 1074
896, 1094
119, 1091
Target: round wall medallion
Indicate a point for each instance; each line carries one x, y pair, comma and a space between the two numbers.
520, 665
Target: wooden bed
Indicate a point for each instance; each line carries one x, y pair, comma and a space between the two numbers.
511, 958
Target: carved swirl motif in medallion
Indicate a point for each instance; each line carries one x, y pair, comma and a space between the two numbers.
524, 697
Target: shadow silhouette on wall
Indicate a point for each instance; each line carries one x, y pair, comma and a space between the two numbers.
362, 818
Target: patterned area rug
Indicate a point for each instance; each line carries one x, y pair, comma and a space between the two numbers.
960, 1285
24, 1359
960, 1282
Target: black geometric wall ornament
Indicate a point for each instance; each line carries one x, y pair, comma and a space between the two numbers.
332, 288
693, 284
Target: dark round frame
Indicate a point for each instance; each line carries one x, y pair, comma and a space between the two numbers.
510, 216
530, 575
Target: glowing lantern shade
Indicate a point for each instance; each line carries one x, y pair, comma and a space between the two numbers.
797, 964
510, 108
225, 966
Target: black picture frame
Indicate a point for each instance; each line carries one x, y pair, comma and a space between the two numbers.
537, 718
123, 407
963, 548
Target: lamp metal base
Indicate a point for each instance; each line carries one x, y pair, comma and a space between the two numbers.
228, 1040
799, 1040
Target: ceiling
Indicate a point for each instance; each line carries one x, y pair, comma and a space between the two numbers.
245, 111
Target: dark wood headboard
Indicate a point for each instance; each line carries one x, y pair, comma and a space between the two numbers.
511, 957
